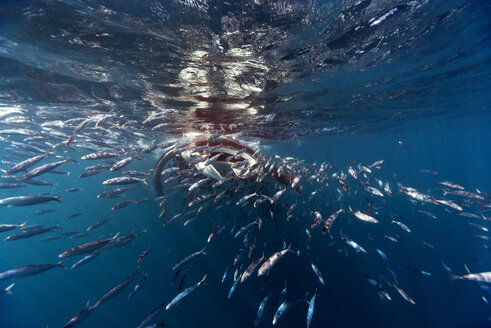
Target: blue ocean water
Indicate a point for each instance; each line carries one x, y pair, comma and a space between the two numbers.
341, 84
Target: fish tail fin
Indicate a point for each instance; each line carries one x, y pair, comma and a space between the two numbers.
57, 198
145, 181
202, 281
23, 225
349, 208
454, 276
8, 290
203, 251
61, 265
116, 235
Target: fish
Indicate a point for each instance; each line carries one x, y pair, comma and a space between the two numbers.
363, 217
399, 142
260, 311
10, 185
404, 295
277, 195
79, 235
31, 231
24, 165
88, 247
391, 239
46, 211
144, 254
124, 180
451, 184
98, 224
113, 292
387, 189
317, 220
28, 200
49, 238
383, 256
429, 172
402, 225
28, 271
8, 227
310, 311
43, 169
114, 191
189, 257
200, 199
431, 215
176, 300
330, 220
197, 184
151, 315
374, 191
415, 194
357, 247
100, 155
284, 307
241, 250
377, 163
81, 316
244, 199
475, 225
295, 181
463, 193
234, 285
86, 259
420, 272
353, 244
137, 286
318, 274
271, 261
449, 203
122, 163
479, 277
8, 290
250, 269
244, 229
122, 204
90, 173
171, 219
282, 294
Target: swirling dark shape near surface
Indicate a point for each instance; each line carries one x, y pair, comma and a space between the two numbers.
281, 177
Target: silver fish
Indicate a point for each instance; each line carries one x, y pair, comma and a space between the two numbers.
115, 290
28, 200
189, 257
184, 293
260, 311
29, 270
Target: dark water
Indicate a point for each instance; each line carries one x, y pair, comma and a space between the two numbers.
338, 82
